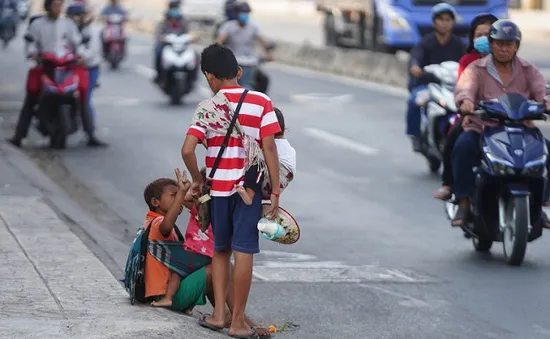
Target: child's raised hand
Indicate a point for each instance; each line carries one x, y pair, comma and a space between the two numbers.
183, 183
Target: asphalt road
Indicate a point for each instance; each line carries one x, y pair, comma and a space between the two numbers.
377, 257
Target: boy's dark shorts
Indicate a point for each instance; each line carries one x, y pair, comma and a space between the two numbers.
235, 224
251, 179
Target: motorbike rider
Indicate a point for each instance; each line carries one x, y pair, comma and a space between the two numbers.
478, 48
173, 22
500, 72
51, 33
229, 10
113, 7
240, 36
12, 20
434, 48
79, 13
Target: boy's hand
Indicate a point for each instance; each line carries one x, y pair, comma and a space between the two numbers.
274, 208
183, 182
196, 189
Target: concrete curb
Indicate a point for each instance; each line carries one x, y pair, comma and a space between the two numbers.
360, 64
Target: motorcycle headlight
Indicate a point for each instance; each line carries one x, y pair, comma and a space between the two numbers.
500, 166
535, 168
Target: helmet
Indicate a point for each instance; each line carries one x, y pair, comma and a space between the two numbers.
174, 3
504, 29
229, 9
76, 9
483, 17
242, 7
47, 5
441, 8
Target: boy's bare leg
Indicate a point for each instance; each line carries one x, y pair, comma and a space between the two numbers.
242, 279
246, 194
173, 285
220, 278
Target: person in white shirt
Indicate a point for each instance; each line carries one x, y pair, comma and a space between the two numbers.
287, 163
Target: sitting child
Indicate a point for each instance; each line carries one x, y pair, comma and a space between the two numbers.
287, 161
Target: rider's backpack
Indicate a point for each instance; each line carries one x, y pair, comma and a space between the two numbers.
134, 273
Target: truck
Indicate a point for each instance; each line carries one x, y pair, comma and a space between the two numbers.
392, 25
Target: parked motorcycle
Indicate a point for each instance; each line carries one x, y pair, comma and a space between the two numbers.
178, 61
511, 179
438, 111
115, 40
7, 27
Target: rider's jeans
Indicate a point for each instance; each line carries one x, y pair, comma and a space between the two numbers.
248, 77
466, 155
413, 112
93, 76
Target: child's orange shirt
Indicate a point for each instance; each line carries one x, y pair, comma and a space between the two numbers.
156, 274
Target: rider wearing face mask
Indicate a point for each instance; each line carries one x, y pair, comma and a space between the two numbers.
498, 73
478, 48
50, 34
174, 22
434, 48
240, 36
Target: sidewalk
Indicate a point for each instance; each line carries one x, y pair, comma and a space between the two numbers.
52, 285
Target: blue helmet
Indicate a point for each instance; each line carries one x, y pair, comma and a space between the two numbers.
76, 9
441, 8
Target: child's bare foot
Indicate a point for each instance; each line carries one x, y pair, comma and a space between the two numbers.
188, 312
164, 302
244, 194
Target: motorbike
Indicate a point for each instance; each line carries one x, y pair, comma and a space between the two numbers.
178, 62
7, 28
115, 40
438, 111
510, 180
23, 9
59, 102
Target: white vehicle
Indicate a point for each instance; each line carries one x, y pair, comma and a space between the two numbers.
438, 111
204, 11
178, 61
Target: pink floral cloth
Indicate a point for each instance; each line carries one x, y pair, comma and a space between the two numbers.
197, 241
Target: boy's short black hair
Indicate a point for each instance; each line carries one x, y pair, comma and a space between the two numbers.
219, 61
281, 120
155, 190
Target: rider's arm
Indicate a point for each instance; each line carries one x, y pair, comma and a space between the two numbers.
467, 87
74, 37
224, 32
31, 48
536, 83
159, 32
417, 54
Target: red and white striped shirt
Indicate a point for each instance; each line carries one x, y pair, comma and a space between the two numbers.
257, 119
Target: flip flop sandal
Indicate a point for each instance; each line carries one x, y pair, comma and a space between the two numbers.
461, 215
205, 324
253, 335
443, 194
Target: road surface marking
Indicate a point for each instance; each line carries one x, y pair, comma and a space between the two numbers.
321, 98
144, 71
341, 141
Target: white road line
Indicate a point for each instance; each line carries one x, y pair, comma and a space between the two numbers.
341, 141
368, 85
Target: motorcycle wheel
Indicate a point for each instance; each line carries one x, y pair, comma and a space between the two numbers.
482, 243
516, 233
58, 139
176, 93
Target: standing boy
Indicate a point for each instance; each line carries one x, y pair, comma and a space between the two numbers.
234, 223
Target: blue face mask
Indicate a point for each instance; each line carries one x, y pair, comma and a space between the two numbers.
243, 18
173, 13
481, 45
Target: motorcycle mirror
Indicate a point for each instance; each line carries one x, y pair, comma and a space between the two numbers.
28, 38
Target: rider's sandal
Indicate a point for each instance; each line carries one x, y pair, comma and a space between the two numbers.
443, 193
462, 215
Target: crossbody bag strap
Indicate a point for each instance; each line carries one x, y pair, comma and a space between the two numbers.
227, 135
